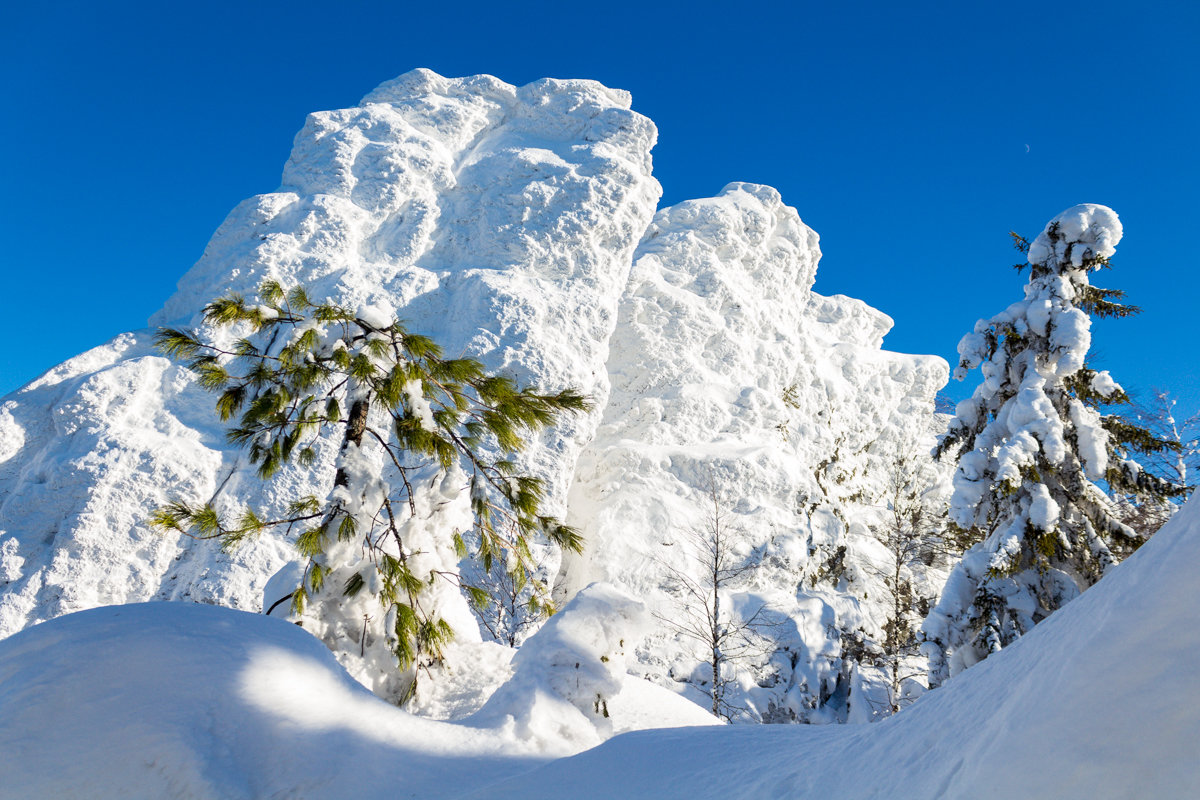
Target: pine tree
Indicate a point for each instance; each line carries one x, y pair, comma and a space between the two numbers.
1037, 457
419, 434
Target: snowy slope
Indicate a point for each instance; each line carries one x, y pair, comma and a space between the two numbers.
1099, 701
728, 372
175, 700
500, 220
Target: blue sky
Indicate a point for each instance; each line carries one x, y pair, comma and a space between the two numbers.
912, 137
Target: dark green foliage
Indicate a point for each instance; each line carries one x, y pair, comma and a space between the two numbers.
305, 368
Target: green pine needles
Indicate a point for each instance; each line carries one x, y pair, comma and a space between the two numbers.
404, 413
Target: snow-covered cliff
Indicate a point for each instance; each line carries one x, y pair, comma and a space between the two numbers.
730, 376
499, 220
503, 222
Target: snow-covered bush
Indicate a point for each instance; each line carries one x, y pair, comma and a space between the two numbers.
566, 674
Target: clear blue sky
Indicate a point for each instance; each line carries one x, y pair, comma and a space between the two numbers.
911, 136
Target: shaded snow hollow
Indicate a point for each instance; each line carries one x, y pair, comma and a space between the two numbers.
200, 702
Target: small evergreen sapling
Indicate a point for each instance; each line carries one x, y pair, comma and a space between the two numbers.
417, 431
1037, 458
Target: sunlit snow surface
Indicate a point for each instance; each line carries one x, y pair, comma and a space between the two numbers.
175, 700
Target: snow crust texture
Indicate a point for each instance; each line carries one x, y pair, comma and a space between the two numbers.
516, 225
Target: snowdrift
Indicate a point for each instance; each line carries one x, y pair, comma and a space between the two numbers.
180, 700
176, 700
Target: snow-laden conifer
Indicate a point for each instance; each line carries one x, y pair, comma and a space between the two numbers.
1037, 457
422, 438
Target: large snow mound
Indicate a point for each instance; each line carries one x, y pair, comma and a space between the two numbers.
177, 700
165, 700
1099, 701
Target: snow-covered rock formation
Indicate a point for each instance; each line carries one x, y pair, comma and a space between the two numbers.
503, 222
730, 375
499, 220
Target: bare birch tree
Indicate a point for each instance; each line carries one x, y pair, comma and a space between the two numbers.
705, 614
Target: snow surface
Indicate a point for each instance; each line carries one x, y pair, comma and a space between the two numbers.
174, 700
1099, 701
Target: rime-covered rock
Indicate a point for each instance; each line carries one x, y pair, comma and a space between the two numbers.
729, 373
500, 220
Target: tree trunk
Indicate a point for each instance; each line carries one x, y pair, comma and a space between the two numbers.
356, 426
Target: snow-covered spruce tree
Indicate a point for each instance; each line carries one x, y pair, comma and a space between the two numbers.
1033, 450
419, 434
